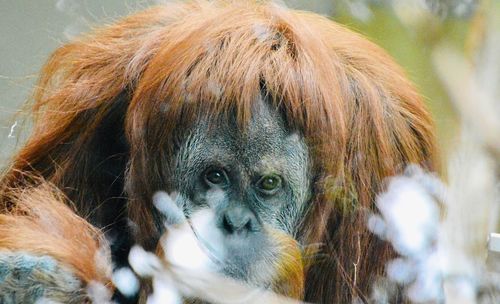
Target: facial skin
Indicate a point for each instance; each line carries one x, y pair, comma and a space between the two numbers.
254, 180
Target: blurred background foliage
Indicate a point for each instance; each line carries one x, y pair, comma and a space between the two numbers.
408, 29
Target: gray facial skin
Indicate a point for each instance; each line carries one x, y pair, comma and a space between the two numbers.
224, 168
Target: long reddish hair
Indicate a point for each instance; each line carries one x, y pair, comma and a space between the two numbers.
111, 106
42, 222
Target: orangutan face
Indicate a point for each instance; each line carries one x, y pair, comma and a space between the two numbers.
256, 182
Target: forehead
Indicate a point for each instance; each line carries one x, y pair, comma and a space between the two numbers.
264, 142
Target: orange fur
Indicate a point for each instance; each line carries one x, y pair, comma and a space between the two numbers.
362, 119
40, 223
289, 278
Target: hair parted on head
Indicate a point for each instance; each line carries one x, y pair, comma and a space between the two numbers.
157, 71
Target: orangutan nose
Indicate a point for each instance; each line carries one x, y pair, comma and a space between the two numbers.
239, 220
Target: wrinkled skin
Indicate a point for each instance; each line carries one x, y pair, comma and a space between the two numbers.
231, 171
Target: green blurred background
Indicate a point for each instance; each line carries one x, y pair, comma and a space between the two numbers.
408, 30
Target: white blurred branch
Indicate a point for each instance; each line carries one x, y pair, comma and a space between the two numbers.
473, 194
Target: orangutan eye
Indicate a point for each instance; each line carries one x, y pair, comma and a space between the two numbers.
269, 184
216, 177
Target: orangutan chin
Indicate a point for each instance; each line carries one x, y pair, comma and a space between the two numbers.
283, 123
